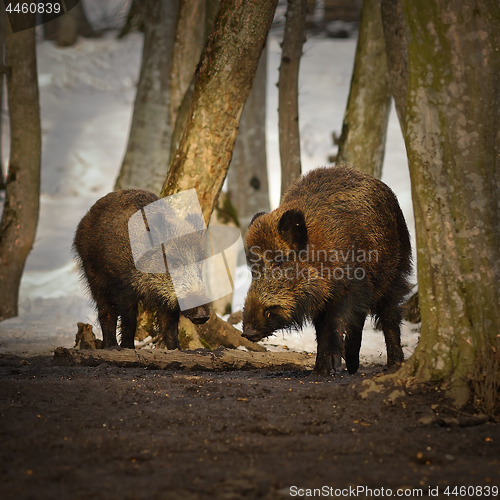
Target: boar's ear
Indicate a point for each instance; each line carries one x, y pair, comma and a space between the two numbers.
255, 217
292, 228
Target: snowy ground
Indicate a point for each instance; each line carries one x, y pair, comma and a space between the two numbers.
86, 97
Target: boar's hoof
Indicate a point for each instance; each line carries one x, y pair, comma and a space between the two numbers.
395, 357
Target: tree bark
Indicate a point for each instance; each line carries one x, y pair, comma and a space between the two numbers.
223, 81
3, 27
189, 42
145, 162
220, 360
364, 131
288, 97
65, 29
20, 214
396, 49
247, 177
135, 18
182, 115
452, 136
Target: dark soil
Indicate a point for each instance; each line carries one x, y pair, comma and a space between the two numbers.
114, 433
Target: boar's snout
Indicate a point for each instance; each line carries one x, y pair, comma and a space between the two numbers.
252, 335
198, 315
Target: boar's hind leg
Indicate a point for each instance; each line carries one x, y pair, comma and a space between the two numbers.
353, 334
168, 322
107, 318
329, 339
128, 320
388, 318
351, 312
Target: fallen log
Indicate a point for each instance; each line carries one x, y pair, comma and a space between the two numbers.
198, 360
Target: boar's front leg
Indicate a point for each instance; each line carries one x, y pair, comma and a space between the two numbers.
168, 322
329, 333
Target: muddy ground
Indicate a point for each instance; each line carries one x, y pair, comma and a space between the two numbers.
112, 433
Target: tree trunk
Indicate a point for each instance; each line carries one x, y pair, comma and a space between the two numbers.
145, 162
223, 81
453, 142
3, 27
288, 98
182, 114
20, 214
65, 29
362, 142
396, 50
247, 177
135, 18
189, 42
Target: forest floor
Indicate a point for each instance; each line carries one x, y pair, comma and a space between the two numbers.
113, 433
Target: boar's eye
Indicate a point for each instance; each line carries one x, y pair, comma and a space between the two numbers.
271, 311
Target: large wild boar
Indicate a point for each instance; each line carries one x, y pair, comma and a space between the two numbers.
336, 250
102, 245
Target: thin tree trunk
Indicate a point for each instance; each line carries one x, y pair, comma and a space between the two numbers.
396, 49
145, 162
247, 177
3, 28
223, 81
452, 138
189, 42
20, 214
135, 18
65, 29
182, 115
288, 99
364, 131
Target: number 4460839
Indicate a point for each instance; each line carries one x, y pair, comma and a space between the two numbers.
33, 8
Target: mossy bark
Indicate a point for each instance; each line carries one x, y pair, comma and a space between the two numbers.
288, 97
364, 130
146, 159
452, 135
20, 213
222, 84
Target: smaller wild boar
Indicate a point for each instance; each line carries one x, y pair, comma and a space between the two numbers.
102, 246
336, 250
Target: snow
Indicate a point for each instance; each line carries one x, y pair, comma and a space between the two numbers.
86, 98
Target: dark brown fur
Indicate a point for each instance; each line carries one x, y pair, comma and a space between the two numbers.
102, 246
330, 209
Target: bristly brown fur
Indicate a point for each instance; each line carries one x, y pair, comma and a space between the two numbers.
344, 221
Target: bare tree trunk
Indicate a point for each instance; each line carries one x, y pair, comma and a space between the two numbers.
145, 162
189, 42
65, 29
223, 81
135, 18
396, 49
3, 28
247, 177
20, 214
182, 114
452, 135
364, 131
288, 99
